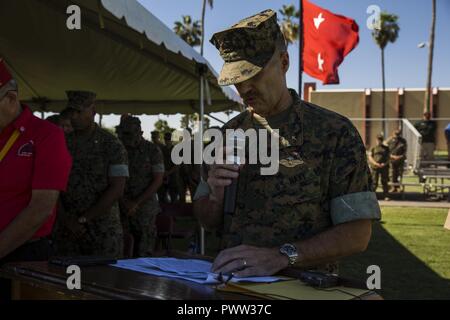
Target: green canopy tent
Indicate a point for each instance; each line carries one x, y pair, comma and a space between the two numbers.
125, 54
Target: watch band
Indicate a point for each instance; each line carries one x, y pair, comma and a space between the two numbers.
290, 251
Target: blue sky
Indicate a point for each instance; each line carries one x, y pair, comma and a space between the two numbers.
406, 64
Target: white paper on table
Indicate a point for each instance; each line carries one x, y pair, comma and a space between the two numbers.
188, 269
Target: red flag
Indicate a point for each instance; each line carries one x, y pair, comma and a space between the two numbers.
328, 38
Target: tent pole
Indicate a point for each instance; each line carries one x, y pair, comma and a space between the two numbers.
202, 118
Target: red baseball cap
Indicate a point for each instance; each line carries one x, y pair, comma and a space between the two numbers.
7, 82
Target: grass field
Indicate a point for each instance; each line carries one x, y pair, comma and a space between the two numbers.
413, 251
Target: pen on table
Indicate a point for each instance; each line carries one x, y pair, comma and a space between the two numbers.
222, 276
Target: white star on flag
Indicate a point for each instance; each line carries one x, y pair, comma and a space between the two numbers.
318, 21
320, 61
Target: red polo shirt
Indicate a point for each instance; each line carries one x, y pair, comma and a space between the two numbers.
38, 160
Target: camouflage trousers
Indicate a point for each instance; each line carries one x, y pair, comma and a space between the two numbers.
103, 236
382, 173
396, 171
141, 226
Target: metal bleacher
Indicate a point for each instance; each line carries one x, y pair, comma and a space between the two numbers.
435, 176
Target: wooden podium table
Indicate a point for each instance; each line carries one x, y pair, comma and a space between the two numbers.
43, 281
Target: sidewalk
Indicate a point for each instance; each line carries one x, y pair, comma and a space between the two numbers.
417, 204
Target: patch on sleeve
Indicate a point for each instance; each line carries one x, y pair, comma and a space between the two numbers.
119, 170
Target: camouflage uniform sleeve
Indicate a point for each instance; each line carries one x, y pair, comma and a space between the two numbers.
117, 159
350, 190
157, 160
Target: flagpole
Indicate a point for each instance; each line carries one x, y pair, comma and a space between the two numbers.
300, 74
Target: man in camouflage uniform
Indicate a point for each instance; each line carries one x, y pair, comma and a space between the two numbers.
89, 222
379, 163
189, 174
319, 206
156, 139
172, 170
397, 149
164, 189
139, 205
427, 128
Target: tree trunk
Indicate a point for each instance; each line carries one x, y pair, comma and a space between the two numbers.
203, 27
383, 94
430, 59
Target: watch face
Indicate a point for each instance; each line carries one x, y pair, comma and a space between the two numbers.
289, 250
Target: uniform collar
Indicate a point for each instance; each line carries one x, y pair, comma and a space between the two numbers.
141, 145
295, 124
293, 129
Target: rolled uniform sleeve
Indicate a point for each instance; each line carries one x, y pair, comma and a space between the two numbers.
118, 160
351, 193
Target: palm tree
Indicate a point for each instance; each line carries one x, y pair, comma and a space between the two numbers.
188, 30
388, 32
430, 59
211, 4
290, 28
190, 120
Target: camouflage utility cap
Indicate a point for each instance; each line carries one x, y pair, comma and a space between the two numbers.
247, 47
80, 100
129, 123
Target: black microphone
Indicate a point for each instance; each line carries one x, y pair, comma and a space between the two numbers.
229, 198
230, 195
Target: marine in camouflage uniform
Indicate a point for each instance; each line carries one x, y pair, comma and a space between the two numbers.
397, 149
173, 187
323, 178
163, 190
427, 128
98, 156
379, 163
189, 175
140, 205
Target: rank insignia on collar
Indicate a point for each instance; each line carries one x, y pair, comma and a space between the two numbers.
291, 162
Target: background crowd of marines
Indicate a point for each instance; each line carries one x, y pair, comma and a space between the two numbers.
387, 159
92, 215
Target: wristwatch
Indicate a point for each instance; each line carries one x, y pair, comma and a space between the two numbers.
290, 251
82, 220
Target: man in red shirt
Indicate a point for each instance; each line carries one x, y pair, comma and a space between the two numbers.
34, 168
